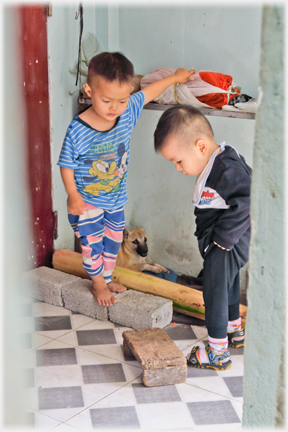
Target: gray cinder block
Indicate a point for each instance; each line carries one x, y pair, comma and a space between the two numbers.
133, 309
78, 298
45, 284
137, 310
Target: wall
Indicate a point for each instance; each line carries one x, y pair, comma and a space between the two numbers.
264, 385
17, 234
63, 40
220, 38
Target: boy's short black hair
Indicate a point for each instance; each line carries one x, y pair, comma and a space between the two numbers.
181, 119
111, 66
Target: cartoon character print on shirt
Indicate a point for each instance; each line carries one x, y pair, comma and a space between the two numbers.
122, 164
108, 175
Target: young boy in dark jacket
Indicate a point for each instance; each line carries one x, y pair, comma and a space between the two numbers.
222, 209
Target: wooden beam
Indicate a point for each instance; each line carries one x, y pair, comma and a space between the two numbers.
185, 300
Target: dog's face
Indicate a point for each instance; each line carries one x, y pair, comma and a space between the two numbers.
136, 241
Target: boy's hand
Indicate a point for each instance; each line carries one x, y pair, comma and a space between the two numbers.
153, 90
221, 246
183, 75
75, 204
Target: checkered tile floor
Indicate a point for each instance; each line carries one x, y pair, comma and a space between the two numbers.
77, 377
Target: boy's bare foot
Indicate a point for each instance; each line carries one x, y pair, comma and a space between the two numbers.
114, 286
101, 292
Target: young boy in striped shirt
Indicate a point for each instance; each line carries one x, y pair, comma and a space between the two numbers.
94, 161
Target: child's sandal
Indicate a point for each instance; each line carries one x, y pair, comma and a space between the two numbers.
215, 361
231, 338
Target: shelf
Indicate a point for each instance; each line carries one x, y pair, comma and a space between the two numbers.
217, 112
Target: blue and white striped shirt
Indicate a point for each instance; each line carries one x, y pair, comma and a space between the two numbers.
100, 159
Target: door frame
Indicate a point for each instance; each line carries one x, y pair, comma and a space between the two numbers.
34, 64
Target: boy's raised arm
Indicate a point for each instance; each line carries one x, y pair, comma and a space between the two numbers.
154, 90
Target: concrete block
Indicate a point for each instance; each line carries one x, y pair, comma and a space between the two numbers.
134, 309
163, 363
138, 310
77, 297
45, 284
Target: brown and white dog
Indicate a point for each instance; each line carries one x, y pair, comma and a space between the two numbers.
134, 250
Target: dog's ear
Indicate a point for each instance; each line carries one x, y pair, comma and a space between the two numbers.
125, 234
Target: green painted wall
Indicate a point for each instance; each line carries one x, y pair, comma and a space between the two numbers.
264, 381
16, 237
63, 40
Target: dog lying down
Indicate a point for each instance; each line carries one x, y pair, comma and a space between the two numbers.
134, 250
133, 253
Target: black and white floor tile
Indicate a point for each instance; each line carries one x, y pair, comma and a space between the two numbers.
78, 378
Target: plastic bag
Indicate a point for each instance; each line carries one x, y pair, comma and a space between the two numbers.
250, 105
205, 88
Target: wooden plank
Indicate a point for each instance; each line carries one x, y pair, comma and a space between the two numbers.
216, 112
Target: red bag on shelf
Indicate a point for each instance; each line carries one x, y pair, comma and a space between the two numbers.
205, 89
213, 97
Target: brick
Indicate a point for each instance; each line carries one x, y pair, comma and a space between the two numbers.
77, 297
162, 362
45, 284
137, 310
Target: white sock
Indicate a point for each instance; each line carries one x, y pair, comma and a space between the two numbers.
218, 346
235, 325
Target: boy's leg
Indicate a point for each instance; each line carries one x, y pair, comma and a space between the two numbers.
90, 228
113, 236
219, 272
234, 299
221, 285
235, 332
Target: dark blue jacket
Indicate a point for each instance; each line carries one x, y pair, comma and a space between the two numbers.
223, 212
